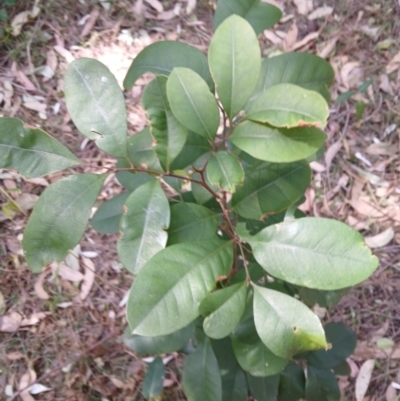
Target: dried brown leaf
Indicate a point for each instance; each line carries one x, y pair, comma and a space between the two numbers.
39, 290
27, 379
391, 393
303, 6
364, 378
394, 64
156, 5
10, 323
291, 37
66, 272
311, 36
381, 239
320, 12
25, 81
90, 23
88, 278
332, 152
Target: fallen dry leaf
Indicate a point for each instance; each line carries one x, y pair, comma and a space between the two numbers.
380, 239
303, 6
39, 290
272, 37
2, 304
27, 201
63, 52
326, 48
21, 18
291, 37
332, 152
320, 12
34, 318
26, 380
363, 379
385, 85
25, 81
391, 393
350, 74
156, 5
394, 64
66, 272
91, 21
10, 323
88, 278
191, 5
311, 36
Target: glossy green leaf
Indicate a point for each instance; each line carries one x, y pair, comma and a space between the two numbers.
191, 222
288, 106
143, 226
264, 388
251, 353
132, 181
201, 379
141, 152
325, 299
343, 342
201, 194
223, 310
166, 294
302, 69
225, 170
169, 134
235, 62
342, 369
258, 14
108, 215
315, 253
31, 151
271, 188
162, 57
192, 103
277, 145
158, 345
286, 325
234, 383
292, 383
321, 385
154, 379
96, 105
59, 219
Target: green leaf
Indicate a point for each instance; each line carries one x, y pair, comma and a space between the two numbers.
235, 63
223, 310
325, 299
162, 57
201, 379
286, 325
288, 106
96, 105
277, 145
271, 188
225, 170
343, 341
292, 383
141, 152
315, 253
31, 151
259, 15
166, 294
234, 384
132, 181
154, 379
170, 135
59, 219
192, 103
195, 146
321, 385
303, 69
191, 222
201, 194
158, 345
108, 215
143, 226
264, 388
252, 354
342, 369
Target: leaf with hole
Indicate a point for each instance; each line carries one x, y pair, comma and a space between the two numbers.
162, 57
271, 188
143, 226
258, 14
96, 105
223, 309
31, 151
314, 252
169, 134
286, 325
166, 294
192, 103
59, 219
289, 106
235, 62
277, 145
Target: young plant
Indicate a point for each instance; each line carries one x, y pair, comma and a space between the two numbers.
225, 265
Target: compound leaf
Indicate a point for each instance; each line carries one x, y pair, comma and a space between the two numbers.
59, 219
286, 325
235, 62
170, 135
201, 378
259, 15
223, 310
192, 103
96, 105
162, 57
314, 252
143, 226
225, 170
166, 294
31, 151
288, 106
271, 188
277, 145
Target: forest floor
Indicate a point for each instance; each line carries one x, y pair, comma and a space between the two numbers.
48, 334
